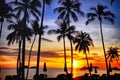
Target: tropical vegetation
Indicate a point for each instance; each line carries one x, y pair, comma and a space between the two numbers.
69, 9
82, 42
100, 12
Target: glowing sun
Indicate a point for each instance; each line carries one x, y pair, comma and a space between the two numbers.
75, 63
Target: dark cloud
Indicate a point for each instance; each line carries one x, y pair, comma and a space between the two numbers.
8, 53
48, 40
14, 52
89, 58
4, 48
49, 54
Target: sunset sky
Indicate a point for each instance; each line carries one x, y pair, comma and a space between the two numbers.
52, 50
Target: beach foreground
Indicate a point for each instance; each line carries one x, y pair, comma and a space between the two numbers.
69, 77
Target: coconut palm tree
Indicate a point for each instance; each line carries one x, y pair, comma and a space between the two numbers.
112, 54
5, 12
70, 37
23, 9
82, 42
17, 35
62, 33
44, 2
36, 31
100, 13
69, 9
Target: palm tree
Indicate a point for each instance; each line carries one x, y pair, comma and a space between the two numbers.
70, 37
112, 54
101, 13
26, 7
48, 2
83, 41
69, 9
36, 31
17, 35
62, 33
5, 10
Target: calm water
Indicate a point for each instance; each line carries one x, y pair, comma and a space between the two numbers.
51, 72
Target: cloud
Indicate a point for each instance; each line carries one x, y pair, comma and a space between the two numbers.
48, 40
14, 52
6, 53
4, 48
89, 58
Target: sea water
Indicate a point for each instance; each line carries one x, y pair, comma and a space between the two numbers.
52, 72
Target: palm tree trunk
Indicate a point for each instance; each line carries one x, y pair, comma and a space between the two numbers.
65, 65
39, 46
1, 29
87, 63
30, 56
18, 60
38, 56
71, 57
23, 58
104, 47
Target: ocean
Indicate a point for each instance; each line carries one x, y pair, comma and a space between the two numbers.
52, 72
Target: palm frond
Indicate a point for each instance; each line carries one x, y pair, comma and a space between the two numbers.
59, 37
109, 14
89, 20
109, 19
94, 9
92, 15
75, 18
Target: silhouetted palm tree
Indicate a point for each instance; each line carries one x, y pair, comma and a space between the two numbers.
83, 41
5, 10
69, 8
100, 13
36, 31
17, 35
70, 37
48, 2
62, 31
112, 54
23, 9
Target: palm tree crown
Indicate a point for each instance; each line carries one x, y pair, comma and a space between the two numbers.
18, 31
83, 41
100, 13
63, 30
27, 7
69, 8
112, 53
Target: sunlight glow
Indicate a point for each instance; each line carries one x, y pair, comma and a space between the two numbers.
75, 64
